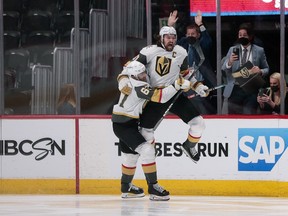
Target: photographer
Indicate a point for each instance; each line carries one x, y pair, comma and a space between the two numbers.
239, 99
269, 98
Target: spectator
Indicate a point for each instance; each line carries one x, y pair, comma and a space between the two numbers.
269, 98
198, 45
67, 100
238, 100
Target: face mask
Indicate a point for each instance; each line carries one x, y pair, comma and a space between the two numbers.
274, 88
243, 41
191, 40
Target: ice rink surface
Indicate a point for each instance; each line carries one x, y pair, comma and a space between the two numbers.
79, 205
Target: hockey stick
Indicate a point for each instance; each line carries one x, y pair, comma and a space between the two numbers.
208, 90
216, 87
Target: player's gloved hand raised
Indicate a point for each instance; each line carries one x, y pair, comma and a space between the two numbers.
181, 83
202, 90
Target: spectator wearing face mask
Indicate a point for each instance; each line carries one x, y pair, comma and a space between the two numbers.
237, 100
198, 45
269, 98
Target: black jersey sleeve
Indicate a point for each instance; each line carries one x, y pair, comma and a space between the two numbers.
141, 58
184, 65
144, 92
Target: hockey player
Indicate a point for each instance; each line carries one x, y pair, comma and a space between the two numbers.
164, 62
125, 118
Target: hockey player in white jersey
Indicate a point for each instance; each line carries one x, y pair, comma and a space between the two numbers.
125, 118
164, 62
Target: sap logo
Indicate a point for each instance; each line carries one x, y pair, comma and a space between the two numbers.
259, 149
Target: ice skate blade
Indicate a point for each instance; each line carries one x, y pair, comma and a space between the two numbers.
159, 198
131, 195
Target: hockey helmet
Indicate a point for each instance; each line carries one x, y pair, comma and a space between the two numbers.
167, 30
134, 68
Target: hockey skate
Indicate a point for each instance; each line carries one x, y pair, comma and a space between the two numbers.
191, 152
157, 193
131, 191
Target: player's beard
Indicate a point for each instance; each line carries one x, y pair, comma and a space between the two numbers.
169, 46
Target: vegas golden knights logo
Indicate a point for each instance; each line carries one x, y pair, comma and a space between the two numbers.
245, 72
163, 65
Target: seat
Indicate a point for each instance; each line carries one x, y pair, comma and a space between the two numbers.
43, 5
46, 58
37, 42
41, 38
64, 21
84, 5
11, 20
17, 59
13, 5
12, 39
36, 20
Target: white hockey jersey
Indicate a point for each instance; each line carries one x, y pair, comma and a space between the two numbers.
163, 67
131, 106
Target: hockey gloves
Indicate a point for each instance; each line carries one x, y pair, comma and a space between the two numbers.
181, 83
201, 90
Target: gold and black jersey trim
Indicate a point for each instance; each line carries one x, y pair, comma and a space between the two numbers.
120, 117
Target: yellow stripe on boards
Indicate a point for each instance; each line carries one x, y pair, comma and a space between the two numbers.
195, 187
175, 187
37, 186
